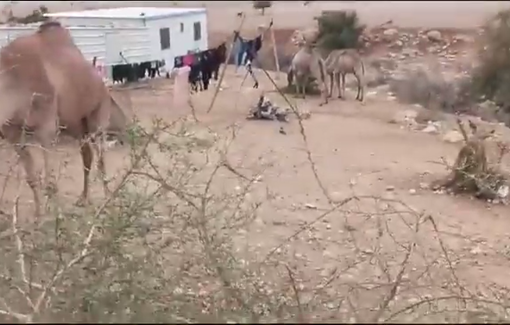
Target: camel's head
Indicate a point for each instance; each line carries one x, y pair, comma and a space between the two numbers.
298, 39
307, 37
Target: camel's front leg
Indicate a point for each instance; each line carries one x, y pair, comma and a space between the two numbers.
99, 142
87, 156
45, 136
32, 180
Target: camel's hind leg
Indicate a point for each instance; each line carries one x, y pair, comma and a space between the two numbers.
342, 88
361, 92
87, 155
331, 83
338, 85
303, 89
99, 121
93, 129
297, 88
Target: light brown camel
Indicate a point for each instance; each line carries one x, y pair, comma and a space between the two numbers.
45, 82
305, 63
342, 62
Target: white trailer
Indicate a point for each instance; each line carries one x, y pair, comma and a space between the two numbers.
100, 43
97, 42
172, 32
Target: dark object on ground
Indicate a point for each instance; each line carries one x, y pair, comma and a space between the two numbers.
265, 110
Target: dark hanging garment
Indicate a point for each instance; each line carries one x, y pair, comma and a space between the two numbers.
178, 62
257, 44
249, 45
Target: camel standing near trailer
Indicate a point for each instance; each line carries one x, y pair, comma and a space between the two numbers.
46, 83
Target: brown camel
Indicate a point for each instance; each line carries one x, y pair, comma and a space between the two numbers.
46, 83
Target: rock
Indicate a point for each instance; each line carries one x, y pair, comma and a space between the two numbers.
463, 38
427, 115
453, 136
410, 52
434, 35
412, 191
305, 115
390, 188
404, 116
503, 191
311, 206
111, 144
424, 186
337, 196
488, 105
390, 34
431, 128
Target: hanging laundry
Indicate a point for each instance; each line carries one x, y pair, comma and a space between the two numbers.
178, 61
253, 47
188, 59
257, 44
239, 50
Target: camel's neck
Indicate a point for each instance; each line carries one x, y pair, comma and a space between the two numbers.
307, 49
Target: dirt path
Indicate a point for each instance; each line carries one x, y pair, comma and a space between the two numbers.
356, 151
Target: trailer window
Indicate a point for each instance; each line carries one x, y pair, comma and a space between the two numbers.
197, 31
182, 27
164, 38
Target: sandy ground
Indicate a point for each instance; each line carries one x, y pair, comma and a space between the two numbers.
354, 148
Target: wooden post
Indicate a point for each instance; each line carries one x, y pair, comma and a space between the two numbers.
275, 52
222, 74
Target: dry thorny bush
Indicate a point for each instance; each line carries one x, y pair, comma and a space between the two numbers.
165, 246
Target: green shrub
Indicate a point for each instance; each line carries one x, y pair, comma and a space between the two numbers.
491, 79
339, 30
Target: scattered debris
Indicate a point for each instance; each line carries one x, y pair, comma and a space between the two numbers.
266, 110
311, 206
432, 127
471, 172
453, 136
434, 36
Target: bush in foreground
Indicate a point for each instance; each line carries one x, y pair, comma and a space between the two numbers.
171, 244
